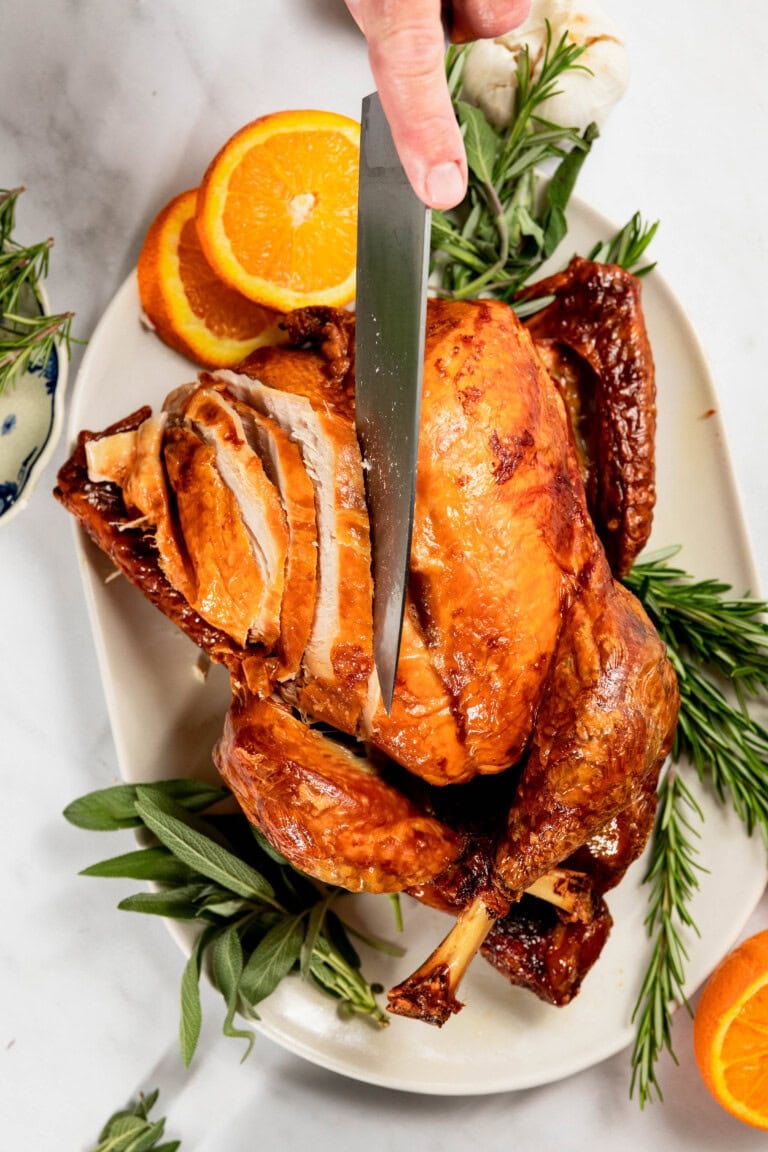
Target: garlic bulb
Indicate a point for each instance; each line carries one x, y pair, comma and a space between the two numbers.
490, 68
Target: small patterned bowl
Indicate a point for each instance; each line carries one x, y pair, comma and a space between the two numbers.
31, 415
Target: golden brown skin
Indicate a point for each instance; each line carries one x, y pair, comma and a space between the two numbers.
606, 723
500, 535
498, 538
101, 510
519, 647
228, 584
324, 807
593, 339
603, 731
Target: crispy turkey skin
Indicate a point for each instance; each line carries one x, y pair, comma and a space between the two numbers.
522, 657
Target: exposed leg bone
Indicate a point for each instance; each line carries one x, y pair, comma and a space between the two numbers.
430, 993
571, 892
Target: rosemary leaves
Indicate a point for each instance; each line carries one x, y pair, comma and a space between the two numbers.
27, 335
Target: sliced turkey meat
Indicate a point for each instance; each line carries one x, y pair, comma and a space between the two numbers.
338, 659
284, 467
132, 459
111, 458
229, 585
219, 426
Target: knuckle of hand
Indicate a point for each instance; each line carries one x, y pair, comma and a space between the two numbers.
409, 49
493, 17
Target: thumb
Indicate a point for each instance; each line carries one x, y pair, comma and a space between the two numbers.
407, 54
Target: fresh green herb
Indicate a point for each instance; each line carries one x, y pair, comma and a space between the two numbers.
26, 341
260, 918
673, 880
110, 809
131, 1130
628, 246
710, 636
511, 220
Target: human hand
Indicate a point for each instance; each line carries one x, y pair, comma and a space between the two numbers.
406, 47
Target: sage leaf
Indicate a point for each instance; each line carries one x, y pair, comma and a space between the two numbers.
130, 1130
108, 809
222, 904
167, 822
557, 227
559, 189
191, 1016
480, 141
314, 928
156, 865
227, 970
442, 228
177, 904
272, 959
267, 848
336, 932
335, 976
124, 1127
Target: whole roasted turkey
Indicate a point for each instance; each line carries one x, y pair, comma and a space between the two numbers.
514, 779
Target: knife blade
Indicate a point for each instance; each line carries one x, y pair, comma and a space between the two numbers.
393, 231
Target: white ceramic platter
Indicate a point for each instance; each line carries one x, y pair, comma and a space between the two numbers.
165, 719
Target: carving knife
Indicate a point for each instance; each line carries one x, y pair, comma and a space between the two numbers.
392, 270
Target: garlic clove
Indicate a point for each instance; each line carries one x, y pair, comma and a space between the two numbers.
490, 69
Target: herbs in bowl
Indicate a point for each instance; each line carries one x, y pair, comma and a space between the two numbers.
32, 371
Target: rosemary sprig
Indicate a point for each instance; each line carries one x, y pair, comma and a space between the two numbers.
131, 1130
714, 638
628, 246
26, 342
673, 880
260, 919
507, 226
8, 201
710, 636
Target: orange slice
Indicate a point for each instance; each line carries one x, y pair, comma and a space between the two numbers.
730, 1032
277, 209
185, 301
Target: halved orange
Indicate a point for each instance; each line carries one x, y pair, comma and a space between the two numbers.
277, 209
185, 301
730, 1032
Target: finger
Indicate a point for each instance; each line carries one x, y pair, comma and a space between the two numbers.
482, 19
407, 55
354, 11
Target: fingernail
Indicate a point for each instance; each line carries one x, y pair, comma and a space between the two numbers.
445, 185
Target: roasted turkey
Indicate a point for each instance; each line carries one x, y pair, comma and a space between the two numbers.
514, 779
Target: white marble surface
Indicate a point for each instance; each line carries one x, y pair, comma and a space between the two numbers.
107, 107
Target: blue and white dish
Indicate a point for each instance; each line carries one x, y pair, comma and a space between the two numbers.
31, 412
